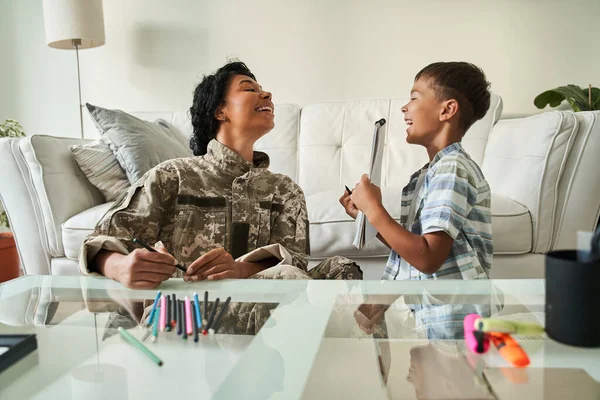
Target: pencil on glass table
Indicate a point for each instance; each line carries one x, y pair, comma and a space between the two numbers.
205, 319
153, 250
168, 320
188, 316
174, 311
183, 321
155, 326
212, 316
213, 329
136, 343
179, 318
194, 323
151, 316
197, 312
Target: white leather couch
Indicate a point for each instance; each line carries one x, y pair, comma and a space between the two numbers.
542, 170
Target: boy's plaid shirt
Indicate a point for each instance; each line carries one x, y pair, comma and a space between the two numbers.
454, 198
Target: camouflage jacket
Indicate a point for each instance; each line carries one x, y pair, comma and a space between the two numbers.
196, 204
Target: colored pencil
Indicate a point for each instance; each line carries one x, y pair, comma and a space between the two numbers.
204, 321
168, 320
151, 316
195, 324
179, 318
217, 323
163, 313
197, 313
188, 316
174, 311
212, 316
136, 343
155, 326
183, 323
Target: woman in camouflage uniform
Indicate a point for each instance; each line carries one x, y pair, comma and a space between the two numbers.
221, 214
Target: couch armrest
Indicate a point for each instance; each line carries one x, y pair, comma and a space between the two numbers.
533, 161
579, 188
23, 212
42, 187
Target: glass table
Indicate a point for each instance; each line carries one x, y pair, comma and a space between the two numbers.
309, 346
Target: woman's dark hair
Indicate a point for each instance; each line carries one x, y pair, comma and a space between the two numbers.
208, 96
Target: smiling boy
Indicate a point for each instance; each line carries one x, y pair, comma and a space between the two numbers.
445, 231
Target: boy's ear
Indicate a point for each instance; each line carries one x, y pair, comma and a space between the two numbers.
449, 109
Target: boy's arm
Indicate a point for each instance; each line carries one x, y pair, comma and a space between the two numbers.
426, 253
451, 194
382, 240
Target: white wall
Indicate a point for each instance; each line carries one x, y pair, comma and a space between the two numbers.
304, 52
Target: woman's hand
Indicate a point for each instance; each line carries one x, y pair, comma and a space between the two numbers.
214, 265
366, 196
349, 206
140, 269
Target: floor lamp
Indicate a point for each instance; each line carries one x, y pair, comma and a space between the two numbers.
74, 24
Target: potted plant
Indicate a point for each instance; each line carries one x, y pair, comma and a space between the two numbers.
9, 257
580, 99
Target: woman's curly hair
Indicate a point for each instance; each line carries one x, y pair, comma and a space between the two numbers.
208, 96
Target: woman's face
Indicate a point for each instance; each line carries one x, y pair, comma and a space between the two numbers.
248, 109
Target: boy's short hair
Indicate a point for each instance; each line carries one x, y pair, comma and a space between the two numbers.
462, 81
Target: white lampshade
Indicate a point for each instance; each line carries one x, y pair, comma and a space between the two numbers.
68, 20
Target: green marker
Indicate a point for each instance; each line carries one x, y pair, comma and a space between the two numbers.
504, 326
133, 341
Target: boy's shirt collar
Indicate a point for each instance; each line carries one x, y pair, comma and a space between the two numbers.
452, 147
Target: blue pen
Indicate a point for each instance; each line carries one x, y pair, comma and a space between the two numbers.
198, 316
151, 317
155, 326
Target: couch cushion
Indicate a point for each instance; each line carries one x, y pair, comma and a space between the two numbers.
524, 161
335, 143
476, 138
76, 228
511, 226
332, 230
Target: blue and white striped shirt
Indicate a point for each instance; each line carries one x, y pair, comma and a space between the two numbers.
455, 198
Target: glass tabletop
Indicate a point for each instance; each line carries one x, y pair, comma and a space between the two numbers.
300, 339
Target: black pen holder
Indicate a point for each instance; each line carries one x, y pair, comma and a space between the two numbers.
572, 299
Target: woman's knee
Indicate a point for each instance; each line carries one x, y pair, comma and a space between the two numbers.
281, 272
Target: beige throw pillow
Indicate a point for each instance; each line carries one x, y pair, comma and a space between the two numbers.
101, 167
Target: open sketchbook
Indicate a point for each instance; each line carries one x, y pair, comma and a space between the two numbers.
365, 232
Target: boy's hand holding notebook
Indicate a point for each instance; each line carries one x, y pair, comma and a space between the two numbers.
365, 232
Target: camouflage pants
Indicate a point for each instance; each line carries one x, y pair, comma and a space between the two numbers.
248, 318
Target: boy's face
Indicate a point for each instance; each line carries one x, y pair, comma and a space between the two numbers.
422, 114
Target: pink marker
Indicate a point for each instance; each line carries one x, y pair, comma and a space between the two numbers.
477, 341
188, 316
163, 314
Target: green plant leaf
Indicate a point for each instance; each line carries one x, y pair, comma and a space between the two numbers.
572, 93
4, 219
595, 97
549, 97
11, 128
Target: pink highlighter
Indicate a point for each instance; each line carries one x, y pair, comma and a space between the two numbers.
477, 341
